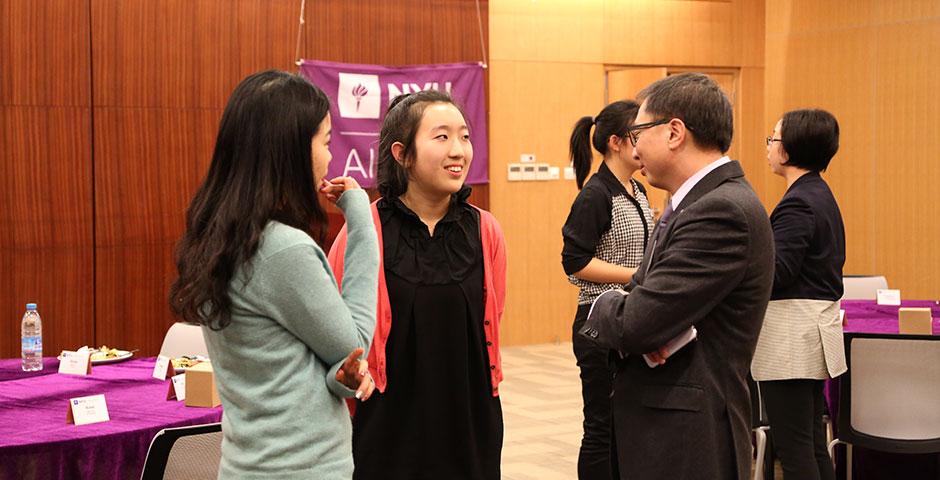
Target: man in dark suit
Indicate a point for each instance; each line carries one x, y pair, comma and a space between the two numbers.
709, 265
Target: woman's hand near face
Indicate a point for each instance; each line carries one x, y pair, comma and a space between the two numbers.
333, 189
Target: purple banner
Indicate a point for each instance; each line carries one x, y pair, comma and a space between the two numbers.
360, 94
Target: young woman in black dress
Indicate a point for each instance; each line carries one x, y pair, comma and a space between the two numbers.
435, 353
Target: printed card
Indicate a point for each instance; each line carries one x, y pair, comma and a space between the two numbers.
86, 410
75, 363
161, 369
177, 390
889, 297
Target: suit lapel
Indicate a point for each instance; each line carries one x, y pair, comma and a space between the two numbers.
716, 177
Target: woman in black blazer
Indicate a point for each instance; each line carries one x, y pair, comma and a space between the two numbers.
800, 344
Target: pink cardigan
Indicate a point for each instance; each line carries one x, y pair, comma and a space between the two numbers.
494, 292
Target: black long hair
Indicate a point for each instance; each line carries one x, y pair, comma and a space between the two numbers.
400, 125
261, 171
614, 119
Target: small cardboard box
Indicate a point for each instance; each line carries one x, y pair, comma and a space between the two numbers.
200, 386
915, 321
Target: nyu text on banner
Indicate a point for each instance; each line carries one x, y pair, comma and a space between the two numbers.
360, 94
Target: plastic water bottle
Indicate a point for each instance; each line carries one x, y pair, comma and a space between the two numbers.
32, 339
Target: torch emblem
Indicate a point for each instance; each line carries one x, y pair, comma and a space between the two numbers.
359, 91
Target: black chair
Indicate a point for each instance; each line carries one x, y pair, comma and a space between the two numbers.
888, 400
191, 453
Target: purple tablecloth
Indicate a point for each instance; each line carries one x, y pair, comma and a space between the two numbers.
36, 441
864, 316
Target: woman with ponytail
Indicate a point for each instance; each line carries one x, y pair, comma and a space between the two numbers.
604, 239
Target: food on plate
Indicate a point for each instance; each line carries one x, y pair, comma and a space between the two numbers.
187, 361
104, 353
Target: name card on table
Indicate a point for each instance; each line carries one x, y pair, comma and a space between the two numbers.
75, 363
85, 410
177, 390
161, 370
889, 297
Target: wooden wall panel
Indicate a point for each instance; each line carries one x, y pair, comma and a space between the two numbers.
547, 31
163, 71
186, 53
46, 248
874, 67
906, 152
150, 161
46, 224
44, 56
548, 62
540, 303
638, 32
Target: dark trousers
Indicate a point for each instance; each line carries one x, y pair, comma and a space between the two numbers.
596, 383
794, 410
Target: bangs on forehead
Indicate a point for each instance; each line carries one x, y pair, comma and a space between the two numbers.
425, 106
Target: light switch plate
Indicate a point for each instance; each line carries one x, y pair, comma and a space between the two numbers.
514, 172
542, 171
528, 172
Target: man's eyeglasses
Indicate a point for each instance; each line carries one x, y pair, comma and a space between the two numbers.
771, 139
634, 132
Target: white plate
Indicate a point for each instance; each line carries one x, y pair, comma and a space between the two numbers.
121, 356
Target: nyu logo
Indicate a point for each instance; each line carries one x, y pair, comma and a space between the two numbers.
359, 95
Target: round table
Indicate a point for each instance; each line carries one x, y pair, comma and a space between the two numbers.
36, 441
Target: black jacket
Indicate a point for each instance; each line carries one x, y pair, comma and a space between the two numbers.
809, 239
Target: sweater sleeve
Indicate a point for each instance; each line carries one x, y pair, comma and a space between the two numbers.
300, 291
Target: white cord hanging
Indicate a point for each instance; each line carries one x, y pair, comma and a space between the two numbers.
482, 43
300, 30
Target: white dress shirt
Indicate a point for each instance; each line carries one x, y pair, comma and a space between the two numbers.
694, 179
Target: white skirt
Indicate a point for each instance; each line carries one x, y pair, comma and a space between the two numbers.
800, 339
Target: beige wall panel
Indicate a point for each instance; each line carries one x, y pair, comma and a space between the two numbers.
546, 30
834, 70
922, 11
749, 32
906, 154
626, 83
535, 105
641, 32
750, 130
805, 16
547, 60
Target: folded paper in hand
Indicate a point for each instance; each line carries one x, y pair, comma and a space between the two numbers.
675, 344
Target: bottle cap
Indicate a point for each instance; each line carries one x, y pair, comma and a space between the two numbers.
30, 306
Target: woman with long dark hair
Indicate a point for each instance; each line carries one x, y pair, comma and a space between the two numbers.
284, 343
435, 355
604, 239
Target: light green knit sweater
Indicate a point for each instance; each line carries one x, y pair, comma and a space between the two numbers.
275, 364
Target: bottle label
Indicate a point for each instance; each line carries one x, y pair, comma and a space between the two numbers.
32, 344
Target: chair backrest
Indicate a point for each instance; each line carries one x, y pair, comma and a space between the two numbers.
863, 287
184, 339
191, 453
888, 400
